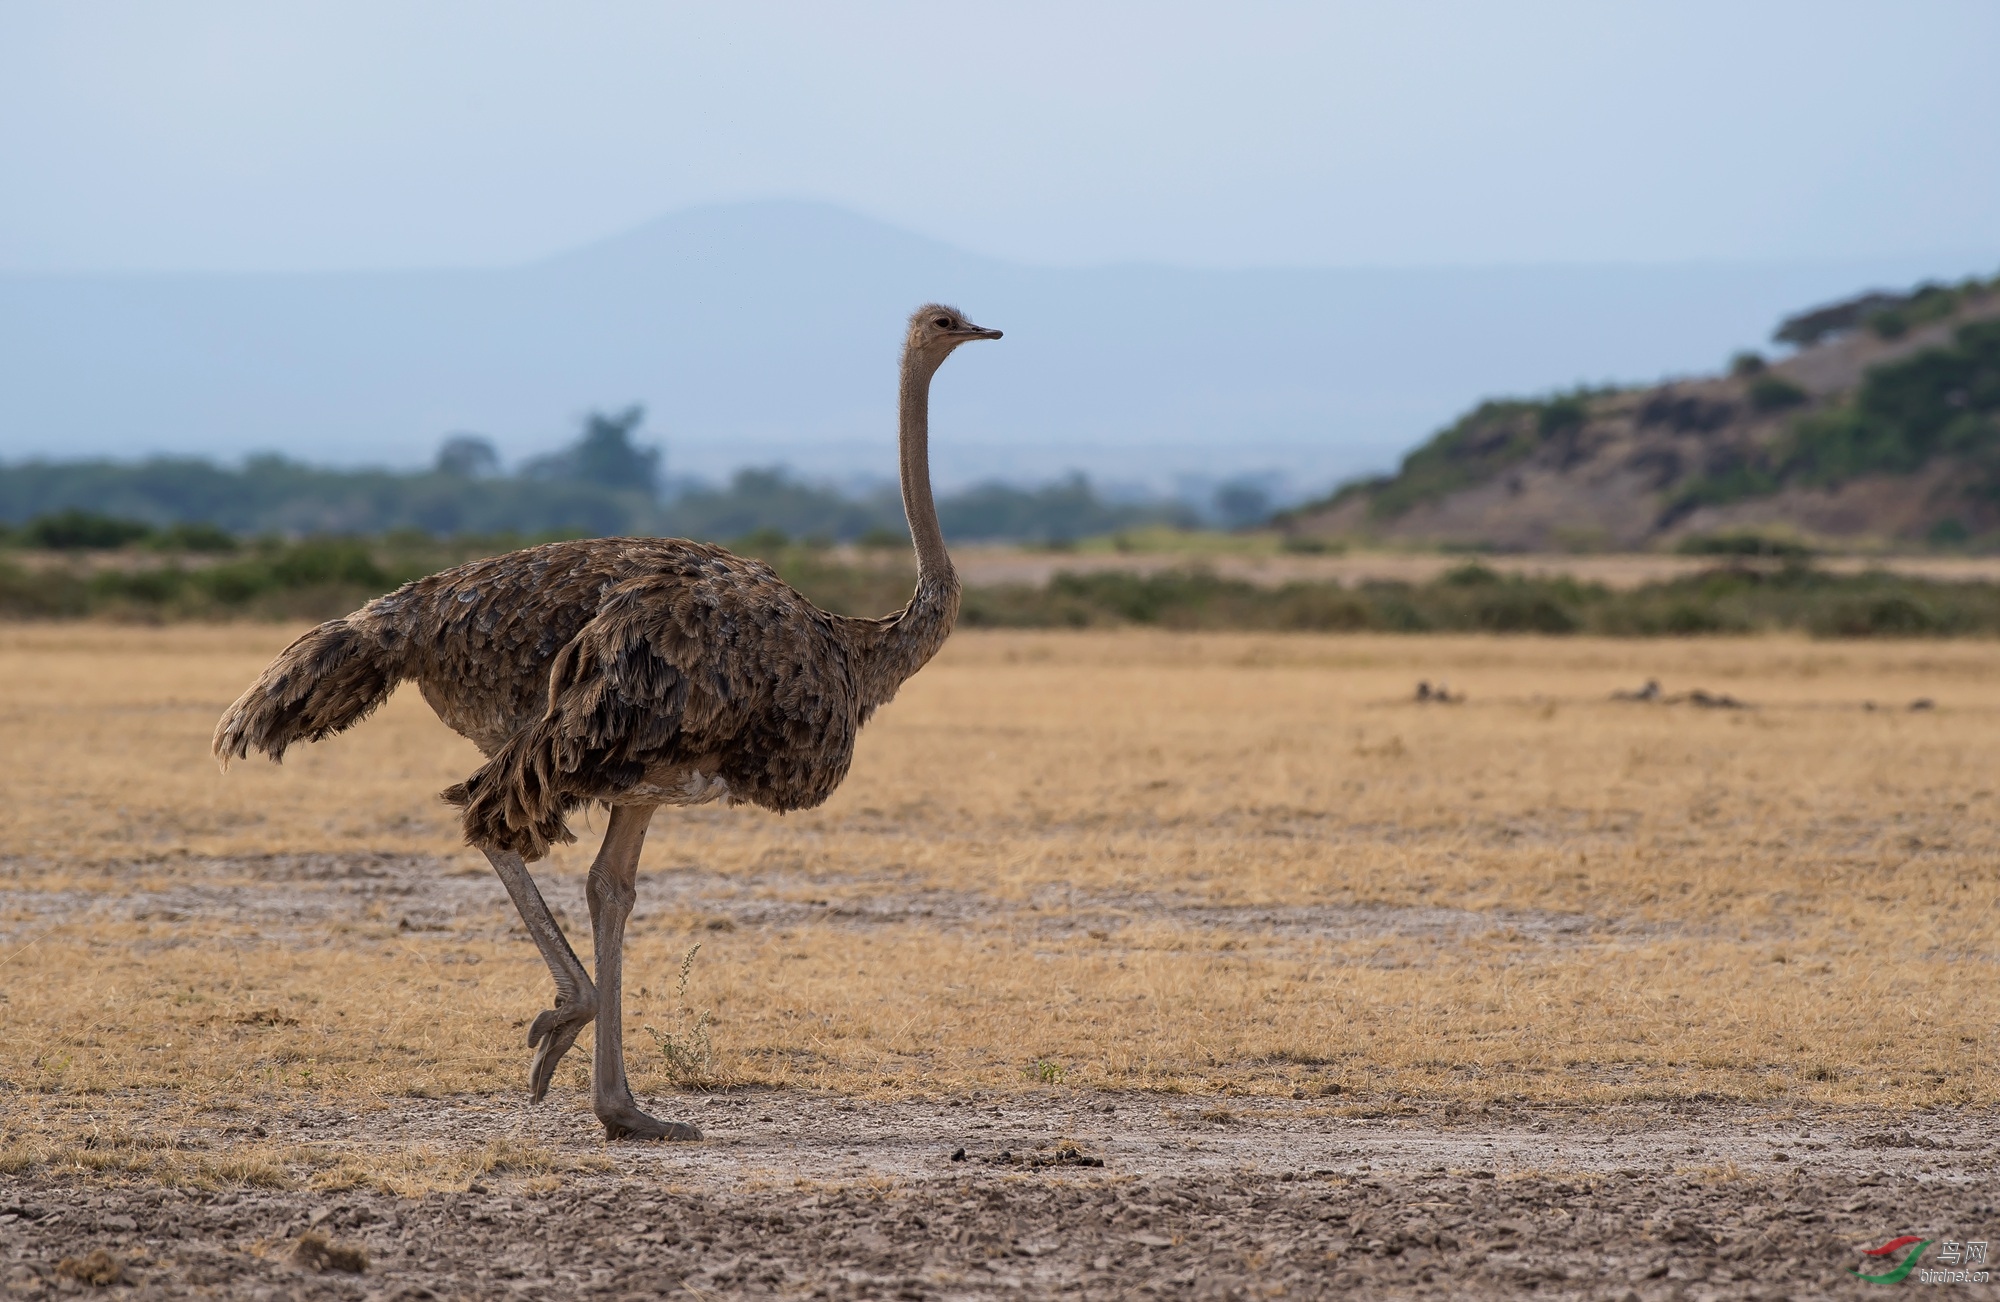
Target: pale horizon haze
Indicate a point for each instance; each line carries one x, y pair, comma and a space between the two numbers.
200, 199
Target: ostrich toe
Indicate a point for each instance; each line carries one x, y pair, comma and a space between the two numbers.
628, 1122
554, 1031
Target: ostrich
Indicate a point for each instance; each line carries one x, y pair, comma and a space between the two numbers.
636, 672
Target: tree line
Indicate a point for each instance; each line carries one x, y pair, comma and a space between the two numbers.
605, 483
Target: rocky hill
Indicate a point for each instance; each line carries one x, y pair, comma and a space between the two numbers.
1883, 427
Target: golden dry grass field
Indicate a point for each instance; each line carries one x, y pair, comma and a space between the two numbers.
1208, 870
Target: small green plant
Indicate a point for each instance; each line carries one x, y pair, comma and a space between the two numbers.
1047, 1072
689, 1051
1769, 393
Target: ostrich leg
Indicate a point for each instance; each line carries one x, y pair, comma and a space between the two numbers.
555, 1030
613, 885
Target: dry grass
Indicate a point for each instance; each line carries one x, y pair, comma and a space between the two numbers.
1209, 864
1260, 559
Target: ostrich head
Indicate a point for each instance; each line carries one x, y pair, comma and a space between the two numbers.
936, 329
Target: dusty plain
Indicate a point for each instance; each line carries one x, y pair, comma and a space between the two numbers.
1536, 992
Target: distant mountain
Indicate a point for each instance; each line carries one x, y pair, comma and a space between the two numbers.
1884, 428
767, 332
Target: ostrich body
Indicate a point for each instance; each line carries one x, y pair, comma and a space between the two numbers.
636, 672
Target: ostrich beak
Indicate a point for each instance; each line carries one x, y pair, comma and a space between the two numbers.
972, 331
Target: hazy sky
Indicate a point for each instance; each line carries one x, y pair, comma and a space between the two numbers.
191, 135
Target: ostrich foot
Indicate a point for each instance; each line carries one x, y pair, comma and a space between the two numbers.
626, 1121
550, 1037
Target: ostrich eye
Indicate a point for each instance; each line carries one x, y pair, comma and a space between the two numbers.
944, 323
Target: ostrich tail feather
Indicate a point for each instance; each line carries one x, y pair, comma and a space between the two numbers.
516, 800
328, 680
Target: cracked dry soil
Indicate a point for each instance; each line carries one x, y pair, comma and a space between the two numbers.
800, 1195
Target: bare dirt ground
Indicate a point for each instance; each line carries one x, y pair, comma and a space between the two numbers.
796, 1194
1044, 1192
1540, 993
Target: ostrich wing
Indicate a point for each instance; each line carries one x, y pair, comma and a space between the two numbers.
712, 670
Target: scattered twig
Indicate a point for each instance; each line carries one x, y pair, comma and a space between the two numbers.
1701, 700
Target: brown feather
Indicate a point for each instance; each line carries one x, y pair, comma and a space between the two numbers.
328, 680
596, 669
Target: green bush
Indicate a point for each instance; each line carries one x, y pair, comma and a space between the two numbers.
78, 530
1473, 575
194, 537
762, 543
1769, 393
1561, 415
321, 578
41, 594
1717, 601
1890, 323
328, 561
1949, 532
1927, 304
1743, 543
1684, 617
1322, 608
1889, 615
1523, 608
882, 539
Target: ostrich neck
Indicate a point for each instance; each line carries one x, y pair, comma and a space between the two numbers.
912, 636
914, 443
